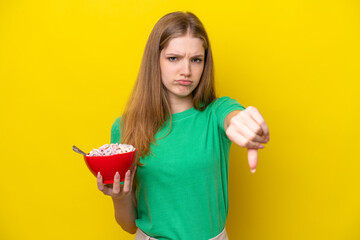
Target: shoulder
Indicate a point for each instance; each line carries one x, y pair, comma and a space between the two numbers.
115, 131
116, 124
225, 103
222, 107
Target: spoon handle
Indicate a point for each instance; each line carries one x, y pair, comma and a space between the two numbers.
76, 149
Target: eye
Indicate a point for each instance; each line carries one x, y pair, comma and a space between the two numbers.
197, 60
171, 59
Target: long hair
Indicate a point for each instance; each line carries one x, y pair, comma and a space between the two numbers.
148, 106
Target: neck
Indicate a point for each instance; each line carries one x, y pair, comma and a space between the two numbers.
181, 104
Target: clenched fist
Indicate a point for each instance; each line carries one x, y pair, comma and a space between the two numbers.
248, 129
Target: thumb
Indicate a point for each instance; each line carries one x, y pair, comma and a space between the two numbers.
252, 158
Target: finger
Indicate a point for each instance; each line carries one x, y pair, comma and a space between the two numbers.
102, 187
133, 171
134, 168
132, 176
127, 181
100, 182
116, 185
252, 159
251, 123
240, 140
248, 132
256, 115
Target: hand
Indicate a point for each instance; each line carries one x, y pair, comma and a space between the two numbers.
248, 129
115, 190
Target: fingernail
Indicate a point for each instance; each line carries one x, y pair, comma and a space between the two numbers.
261, 146
117, 175
128, 172
252, 170
98, 175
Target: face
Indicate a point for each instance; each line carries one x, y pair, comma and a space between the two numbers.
182, 64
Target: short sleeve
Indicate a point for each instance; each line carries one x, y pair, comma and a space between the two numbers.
115, 131
223, 106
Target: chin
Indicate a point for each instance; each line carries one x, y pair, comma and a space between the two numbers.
181, 95
181, 92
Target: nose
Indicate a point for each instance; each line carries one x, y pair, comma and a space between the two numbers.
186, 68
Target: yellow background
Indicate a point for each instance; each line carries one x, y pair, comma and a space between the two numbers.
67, 68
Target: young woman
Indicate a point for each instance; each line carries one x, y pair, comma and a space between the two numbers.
178, 188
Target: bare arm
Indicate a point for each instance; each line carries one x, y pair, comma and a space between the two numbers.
124, 199
125, 212
229, 117
247, 128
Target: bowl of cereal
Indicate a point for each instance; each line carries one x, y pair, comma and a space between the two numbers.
109, 159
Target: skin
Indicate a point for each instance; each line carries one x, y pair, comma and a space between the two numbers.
183, 58
247, 129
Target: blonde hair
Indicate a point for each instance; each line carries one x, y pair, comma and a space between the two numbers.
148, 106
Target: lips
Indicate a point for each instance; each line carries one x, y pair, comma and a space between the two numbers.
184, 82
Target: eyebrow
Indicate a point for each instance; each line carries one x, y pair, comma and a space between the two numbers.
174, 54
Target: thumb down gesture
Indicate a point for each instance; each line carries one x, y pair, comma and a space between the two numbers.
248, 129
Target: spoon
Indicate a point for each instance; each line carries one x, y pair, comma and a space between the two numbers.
76, 149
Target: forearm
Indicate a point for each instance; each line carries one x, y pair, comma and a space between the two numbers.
125, 213
229, 117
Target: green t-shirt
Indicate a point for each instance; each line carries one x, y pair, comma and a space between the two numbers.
183, 187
